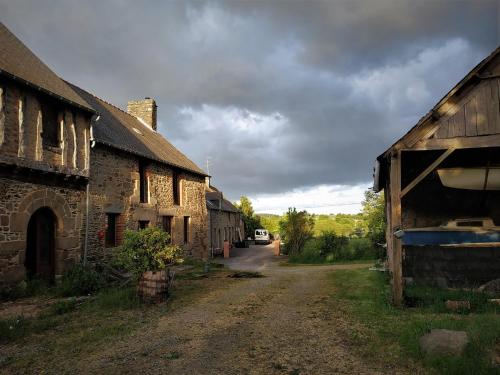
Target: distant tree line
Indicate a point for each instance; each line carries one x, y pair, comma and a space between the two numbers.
318, 238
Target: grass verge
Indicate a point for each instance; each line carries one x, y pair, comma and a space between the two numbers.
384, 331
67, 333
287, 263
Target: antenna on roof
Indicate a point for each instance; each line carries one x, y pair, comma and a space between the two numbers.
209, 163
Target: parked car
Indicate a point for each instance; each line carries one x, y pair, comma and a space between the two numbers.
262, 236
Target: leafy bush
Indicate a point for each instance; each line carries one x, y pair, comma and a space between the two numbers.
420, 295
329, 248
147, 250
330, 243
296, 228
374, 217
360, 248
62, 307
25, 288
310, 254
80, 280
251, 221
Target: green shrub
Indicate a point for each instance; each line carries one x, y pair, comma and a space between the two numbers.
295, 229
12, 328
419, 295
329, 248
80, 280
25, 288
330, 243
360, 248
147, 250
310, 254
63, 307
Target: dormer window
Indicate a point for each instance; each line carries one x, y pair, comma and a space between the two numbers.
50, 125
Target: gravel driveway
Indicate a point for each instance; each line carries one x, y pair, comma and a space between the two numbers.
283, 323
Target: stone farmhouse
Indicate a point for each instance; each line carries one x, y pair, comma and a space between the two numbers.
76, 171
224, 221
44, 165
138, 179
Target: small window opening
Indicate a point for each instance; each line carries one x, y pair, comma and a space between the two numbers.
143, 182
111, 237
143, 224
186, 229
176, 188
167, 225
50, 125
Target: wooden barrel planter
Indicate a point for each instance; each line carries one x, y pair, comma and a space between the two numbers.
154, 286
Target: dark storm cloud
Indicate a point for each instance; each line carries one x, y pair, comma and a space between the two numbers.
278, 94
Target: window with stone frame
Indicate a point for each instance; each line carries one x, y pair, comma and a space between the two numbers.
50, 123
186, 229
176, 187
112, 235
143, 224
143, 182
167, 225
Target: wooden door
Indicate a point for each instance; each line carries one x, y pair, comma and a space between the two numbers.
40, 245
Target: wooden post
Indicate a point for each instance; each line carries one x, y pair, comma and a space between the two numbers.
277, 249
395, 224
226, 249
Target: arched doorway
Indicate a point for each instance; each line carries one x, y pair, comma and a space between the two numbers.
40, 244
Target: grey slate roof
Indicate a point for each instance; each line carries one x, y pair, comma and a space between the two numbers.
213, 198
18, 62
125, 132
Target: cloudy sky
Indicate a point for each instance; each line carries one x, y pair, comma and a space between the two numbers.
291, 101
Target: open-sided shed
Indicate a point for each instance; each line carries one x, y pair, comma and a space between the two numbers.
441, 182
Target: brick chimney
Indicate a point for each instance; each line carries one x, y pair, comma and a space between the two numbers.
144, 110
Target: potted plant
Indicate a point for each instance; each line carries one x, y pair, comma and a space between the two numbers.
147, 255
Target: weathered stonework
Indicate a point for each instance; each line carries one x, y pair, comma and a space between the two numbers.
32, 177
224, 221
114, 189
223, 226
144, 110
45, 170
22, 129
19, 201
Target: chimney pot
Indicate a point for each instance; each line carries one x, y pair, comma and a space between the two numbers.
145, 110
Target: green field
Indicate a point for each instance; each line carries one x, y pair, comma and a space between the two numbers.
340, 224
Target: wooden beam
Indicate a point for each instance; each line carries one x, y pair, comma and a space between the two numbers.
457, 143
395, 223
426, 172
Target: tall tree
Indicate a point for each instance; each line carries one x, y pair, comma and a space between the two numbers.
251, 221
296, 228
374, 216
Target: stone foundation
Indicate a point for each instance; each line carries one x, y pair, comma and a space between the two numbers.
451, 266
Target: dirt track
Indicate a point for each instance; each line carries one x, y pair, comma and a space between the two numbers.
280, 324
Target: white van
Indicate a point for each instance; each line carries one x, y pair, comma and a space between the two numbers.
262, 236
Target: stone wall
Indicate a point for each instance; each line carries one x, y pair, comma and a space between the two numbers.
451, 266
18, 201
22, 132
223, 225
34, 175
114, 187
145, 110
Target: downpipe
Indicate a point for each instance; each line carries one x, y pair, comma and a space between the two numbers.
87, 200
